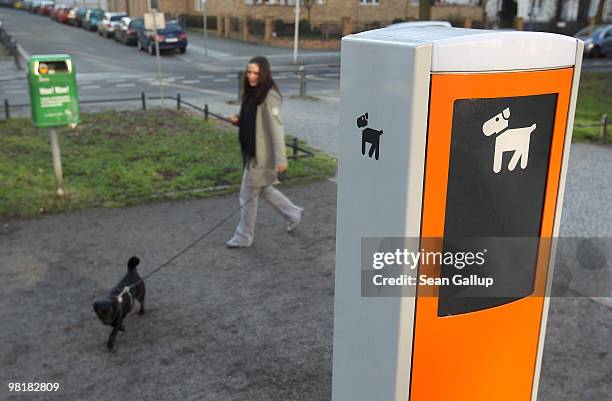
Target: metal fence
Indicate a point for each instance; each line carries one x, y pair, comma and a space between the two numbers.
296, 150
10, 44
602, 125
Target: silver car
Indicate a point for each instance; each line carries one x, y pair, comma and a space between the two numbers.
106, 27
597, 40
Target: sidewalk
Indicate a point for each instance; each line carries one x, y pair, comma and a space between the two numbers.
10, 72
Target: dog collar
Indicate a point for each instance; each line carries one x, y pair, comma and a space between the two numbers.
126, 290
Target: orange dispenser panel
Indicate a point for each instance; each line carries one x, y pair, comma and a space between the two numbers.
487, 354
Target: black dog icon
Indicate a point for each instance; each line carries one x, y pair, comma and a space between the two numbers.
369, 135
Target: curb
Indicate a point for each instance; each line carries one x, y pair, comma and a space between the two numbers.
23, 54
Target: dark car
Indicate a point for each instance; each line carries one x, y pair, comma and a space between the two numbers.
597, 40
35, 7
172, 37
79, 16
126, 31
93, 16
7, 3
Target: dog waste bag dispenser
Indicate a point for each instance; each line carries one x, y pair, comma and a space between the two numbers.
449, 137
53, 91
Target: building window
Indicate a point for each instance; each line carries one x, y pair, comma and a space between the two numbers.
369, 2
289, 2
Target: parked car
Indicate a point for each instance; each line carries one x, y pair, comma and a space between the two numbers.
7, 3
93, 16
107, 25
126, 31
410, 24
80, 16
597, 40
55, 10
172, 37
120, 28
35, 6
61, 15
46, 7
71, 16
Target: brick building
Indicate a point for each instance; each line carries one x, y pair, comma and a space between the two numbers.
348, 15
272, 20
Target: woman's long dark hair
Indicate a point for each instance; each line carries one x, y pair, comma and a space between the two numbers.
265, 83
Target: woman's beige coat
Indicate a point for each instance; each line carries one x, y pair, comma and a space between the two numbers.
269, 143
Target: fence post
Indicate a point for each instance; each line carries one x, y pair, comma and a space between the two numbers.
302, 78
604, 128
143, 98
178, 101
295, 149
240, 80
206, 112
7, 110
15, 51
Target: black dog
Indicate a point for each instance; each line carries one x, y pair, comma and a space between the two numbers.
118, 303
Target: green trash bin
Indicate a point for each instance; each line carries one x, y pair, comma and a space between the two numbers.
53, 91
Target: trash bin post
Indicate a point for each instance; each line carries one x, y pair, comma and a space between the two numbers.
57, 163
302, 78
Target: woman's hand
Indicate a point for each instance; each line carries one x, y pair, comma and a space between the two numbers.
234, 118
281, 168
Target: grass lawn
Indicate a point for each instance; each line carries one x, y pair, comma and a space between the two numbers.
117, 159
594, 100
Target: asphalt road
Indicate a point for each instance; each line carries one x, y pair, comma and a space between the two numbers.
107, 69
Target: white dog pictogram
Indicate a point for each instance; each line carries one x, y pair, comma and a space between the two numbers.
510, 140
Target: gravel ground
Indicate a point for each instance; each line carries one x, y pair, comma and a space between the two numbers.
221, 324
577, 362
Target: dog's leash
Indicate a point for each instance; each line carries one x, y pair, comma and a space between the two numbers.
281, 177
127, 289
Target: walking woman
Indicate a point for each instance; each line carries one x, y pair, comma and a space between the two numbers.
262, 141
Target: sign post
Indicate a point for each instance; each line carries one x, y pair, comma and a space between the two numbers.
55, 102
201, 6
296, 32
154, 21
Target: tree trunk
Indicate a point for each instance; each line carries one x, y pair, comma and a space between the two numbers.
600, 9
424, 10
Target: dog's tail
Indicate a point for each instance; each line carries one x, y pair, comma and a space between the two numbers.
132, 263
